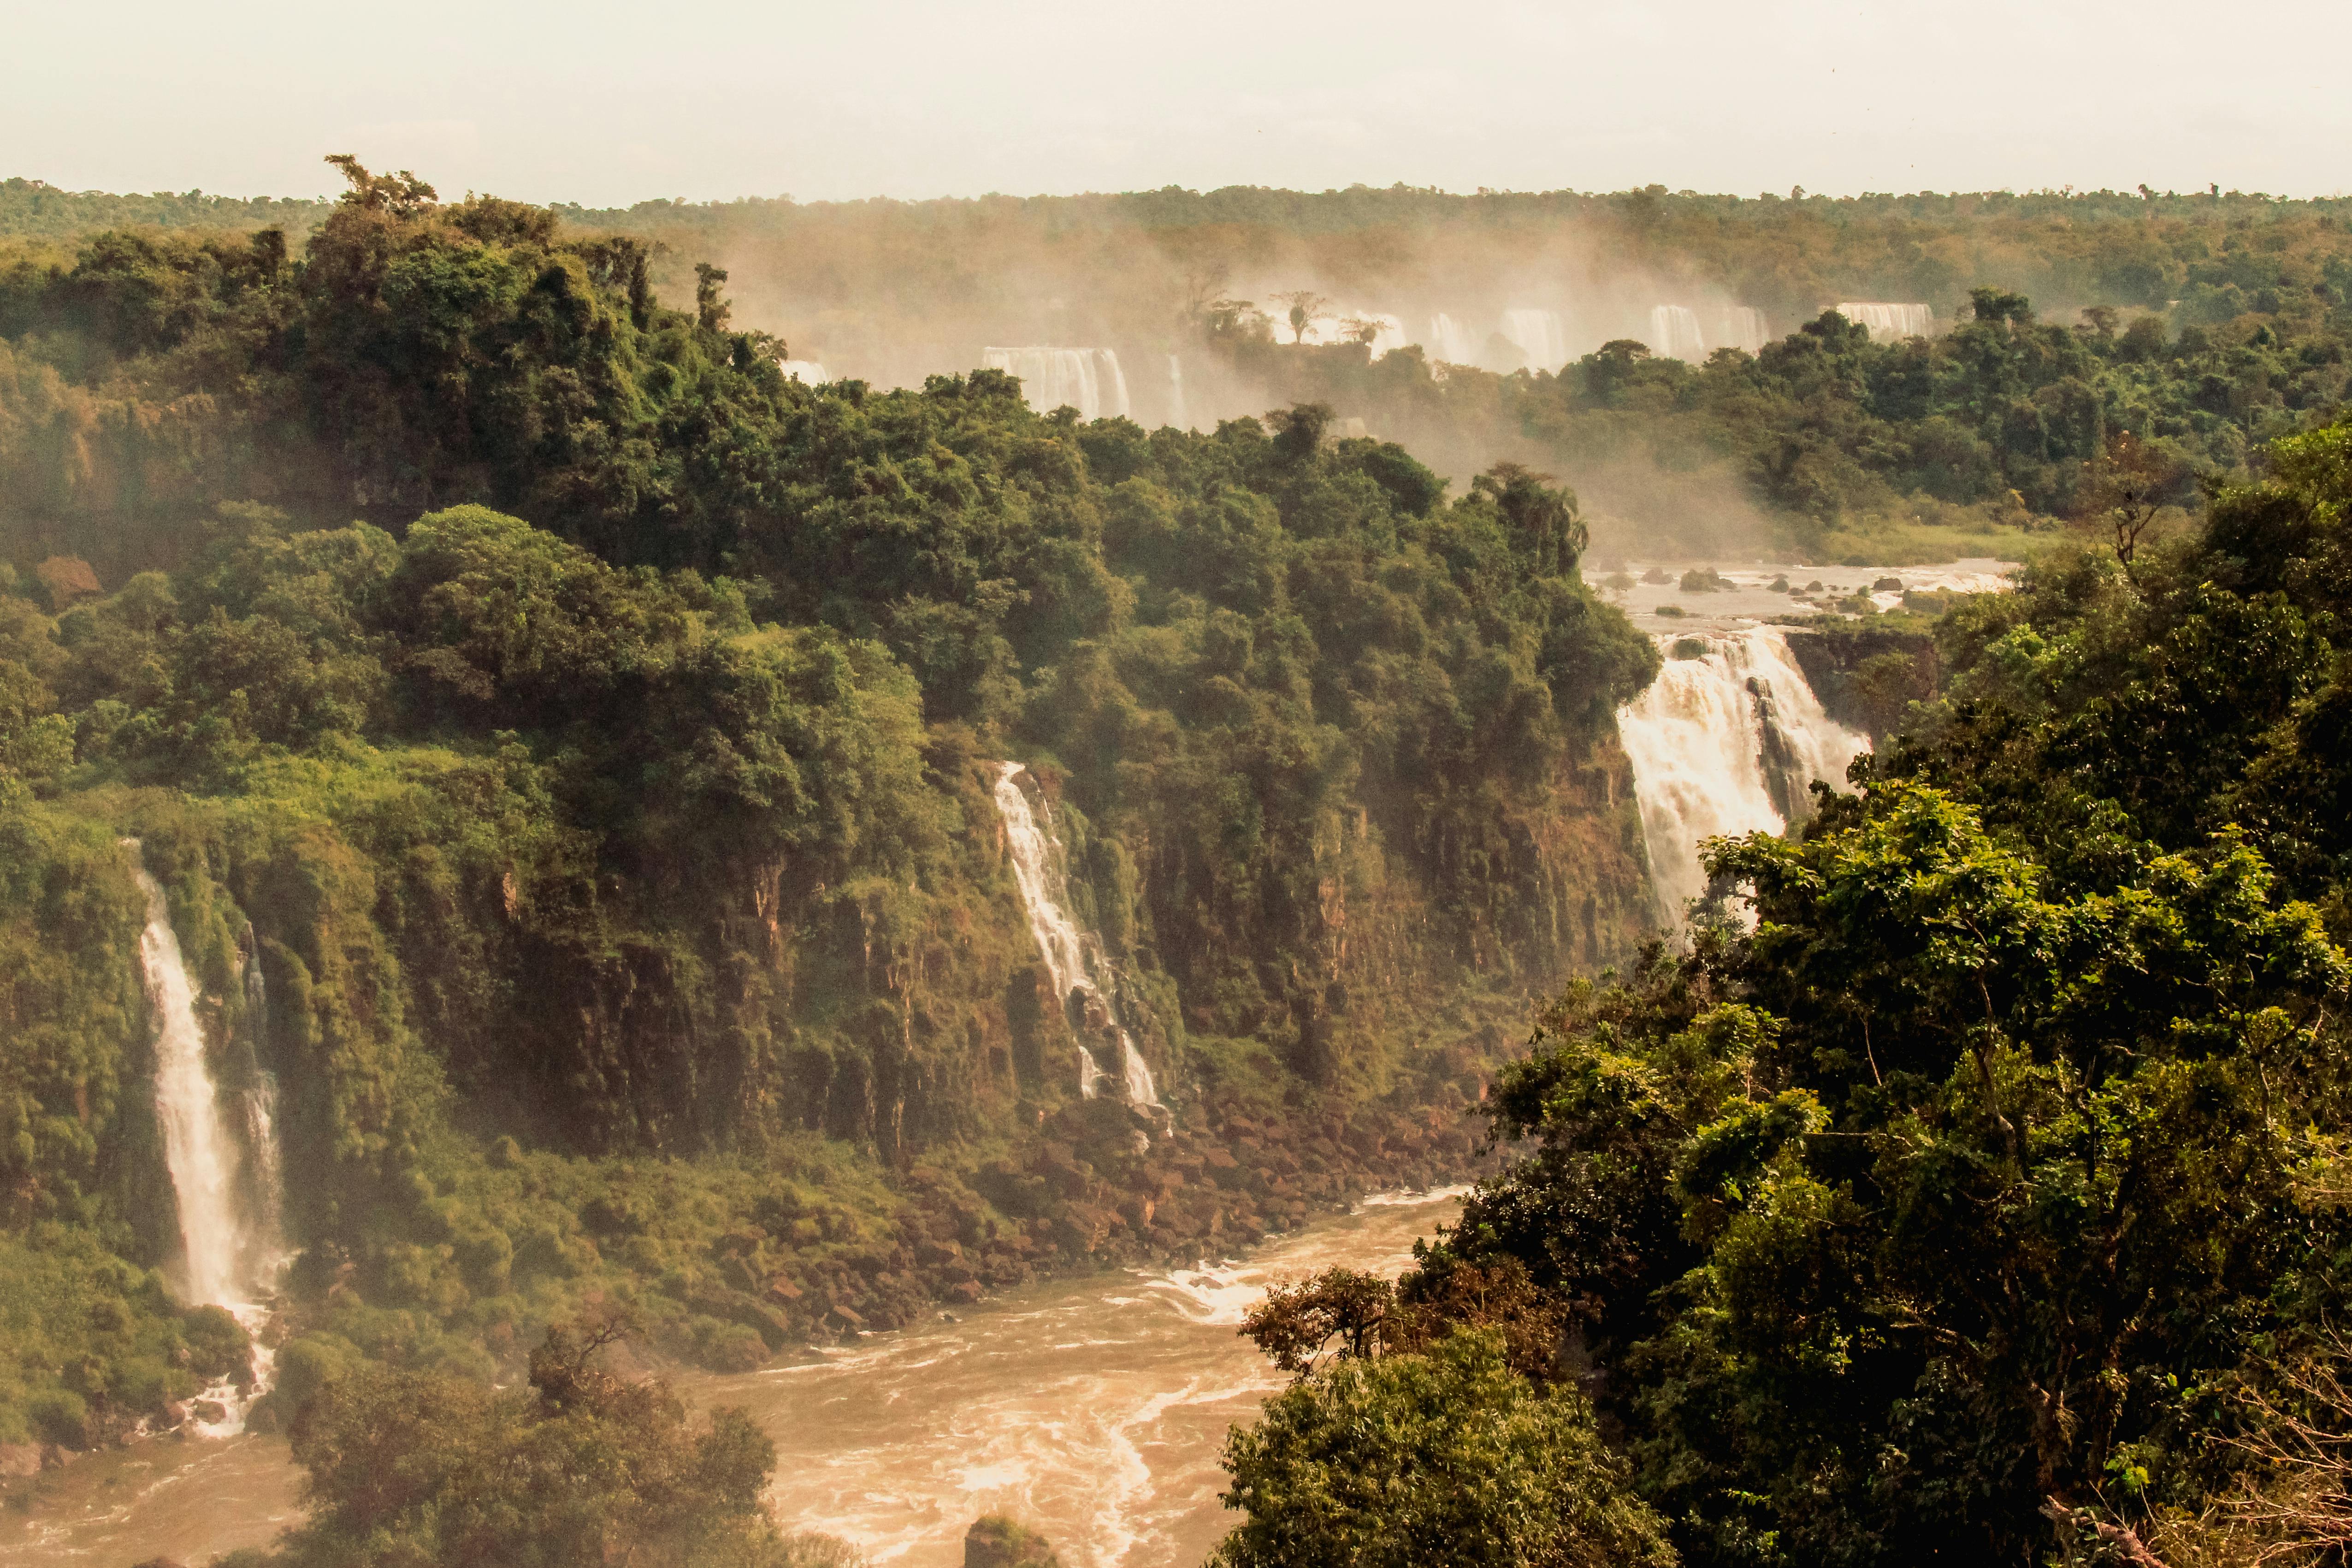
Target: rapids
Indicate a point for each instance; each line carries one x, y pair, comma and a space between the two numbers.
1095, 1408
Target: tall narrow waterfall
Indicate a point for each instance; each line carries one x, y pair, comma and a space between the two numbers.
1890, 323
1073, 957
228, 1205
1727, 743
1088, 380
1674, 334
1539, 336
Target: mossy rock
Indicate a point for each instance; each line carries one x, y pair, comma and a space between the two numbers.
996, 1542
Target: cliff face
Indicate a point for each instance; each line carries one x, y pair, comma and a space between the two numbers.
1866, 675
625, 858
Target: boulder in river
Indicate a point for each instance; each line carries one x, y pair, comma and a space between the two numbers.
995, 1541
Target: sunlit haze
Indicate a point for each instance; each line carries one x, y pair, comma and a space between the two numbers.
607, 104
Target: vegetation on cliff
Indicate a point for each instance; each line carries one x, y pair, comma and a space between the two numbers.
1988, 1191
595, 841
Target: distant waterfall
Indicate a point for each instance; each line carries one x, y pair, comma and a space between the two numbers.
1674, 334
1541, 339
1073, 957
228, 1236
1743, 328
1088, 380
1727, 743
1890, 323
1177, 416
806, 370
1450, 341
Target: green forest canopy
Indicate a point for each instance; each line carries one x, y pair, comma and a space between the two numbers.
606, 812
1984, 1200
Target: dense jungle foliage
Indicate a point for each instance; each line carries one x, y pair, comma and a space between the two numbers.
1968, 442
1984, 1203
2201, 325
567, 749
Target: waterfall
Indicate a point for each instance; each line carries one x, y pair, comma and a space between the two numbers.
1451, 341
1088, 380
1743, 328
1725, 743
1073, 957
1674, 334
1542, 340
228, 1237
1176, 412
806, 370
1890, 323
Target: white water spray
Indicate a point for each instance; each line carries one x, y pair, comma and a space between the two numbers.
1073, 956
1725, 743
1088, 380
1176, 412
807, 372
1540, 337
1674, 334
1450, 341
228, 1239
1890, 323
1743, 328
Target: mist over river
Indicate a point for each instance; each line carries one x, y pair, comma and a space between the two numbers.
1093, 1408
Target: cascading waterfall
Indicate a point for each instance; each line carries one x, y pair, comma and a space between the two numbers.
1073, 957
1743, 328
1539, 336
807, 370
1450, 341
227, 1207
1725, 743
1890, 323
1088, 380
1674, 334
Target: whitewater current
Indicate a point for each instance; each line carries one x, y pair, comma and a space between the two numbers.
1095, 1409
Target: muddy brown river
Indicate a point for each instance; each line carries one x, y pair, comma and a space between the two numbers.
1093, 1408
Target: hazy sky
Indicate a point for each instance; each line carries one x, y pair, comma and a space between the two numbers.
609, 104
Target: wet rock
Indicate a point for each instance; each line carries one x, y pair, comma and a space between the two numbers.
211, 1412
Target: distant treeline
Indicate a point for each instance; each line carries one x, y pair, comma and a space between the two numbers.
35, 207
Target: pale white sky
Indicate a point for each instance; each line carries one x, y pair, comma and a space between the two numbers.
605, 104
